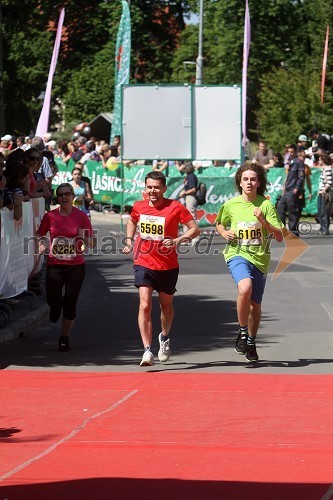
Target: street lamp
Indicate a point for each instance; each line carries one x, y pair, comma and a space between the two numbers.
199, 60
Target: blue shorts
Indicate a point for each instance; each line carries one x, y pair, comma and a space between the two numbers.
161, 281
241, 268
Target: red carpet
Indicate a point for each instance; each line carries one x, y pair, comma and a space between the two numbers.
133, 435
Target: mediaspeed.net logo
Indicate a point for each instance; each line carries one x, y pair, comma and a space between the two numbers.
295, 247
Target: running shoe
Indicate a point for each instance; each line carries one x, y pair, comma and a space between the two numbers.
241, 344
251, 353
147, 359
164, 353
63, 343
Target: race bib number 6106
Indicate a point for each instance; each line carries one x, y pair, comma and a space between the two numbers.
249, 233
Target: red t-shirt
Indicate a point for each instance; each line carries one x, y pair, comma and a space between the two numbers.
66, 246
156, 224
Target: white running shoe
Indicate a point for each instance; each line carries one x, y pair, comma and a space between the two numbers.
147, 359
164, 353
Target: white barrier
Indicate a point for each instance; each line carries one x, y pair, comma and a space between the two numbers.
18, 259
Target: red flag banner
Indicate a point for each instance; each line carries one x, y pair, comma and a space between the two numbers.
323, 74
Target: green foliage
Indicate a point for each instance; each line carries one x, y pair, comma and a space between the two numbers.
90, 92
290, 106
284, 72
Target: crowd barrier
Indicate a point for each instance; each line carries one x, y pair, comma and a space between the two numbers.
123, 186
18, 259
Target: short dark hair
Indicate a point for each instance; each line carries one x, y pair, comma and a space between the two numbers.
65, 184
156, 176
259, 170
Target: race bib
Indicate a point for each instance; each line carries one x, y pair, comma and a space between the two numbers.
249, 233
78, 202
64, 248
151, 227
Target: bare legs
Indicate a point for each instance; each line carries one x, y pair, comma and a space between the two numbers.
248, 312
144, 317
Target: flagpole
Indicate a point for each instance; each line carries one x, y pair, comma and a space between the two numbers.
199, 61
246, 50
122, 71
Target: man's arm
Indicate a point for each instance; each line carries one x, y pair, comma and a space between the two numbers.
130, 232
227, 234
270, 158
193, 231
275, 231
300, 178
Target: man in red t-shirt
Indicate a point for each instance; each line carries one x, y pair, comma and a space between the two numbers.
155, 258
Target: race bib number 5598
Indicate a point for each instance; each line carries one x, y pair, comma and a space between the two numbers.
151, 227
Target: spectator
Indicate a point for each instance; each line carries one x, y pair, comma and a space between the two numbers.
14, 193
264, 156
319, 141
62, 151
45, 171
325, 193
302, 143
20, 142
91, 153
180, 166
307, 173
2, 179
32, 158
278, 160
189, 192
292, 190
160, 166
4, 144
72, 148
229, 164
198, 164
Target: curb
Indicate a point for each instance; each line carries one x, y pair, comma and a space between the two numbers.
25, 326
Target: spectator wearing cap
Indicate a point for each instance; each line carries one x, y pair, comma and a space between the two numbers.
5, 143
302, 143
319, 141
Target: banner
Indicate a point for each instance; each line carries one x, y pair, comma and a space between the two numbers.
122, 66
323, 73
17, 249
43, 122
107, 185
246, 50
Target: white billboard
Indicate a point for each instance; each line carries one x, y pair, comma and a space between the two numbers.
181, 122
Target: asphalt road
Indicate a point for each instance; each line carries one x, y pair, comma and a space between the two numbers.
295, 335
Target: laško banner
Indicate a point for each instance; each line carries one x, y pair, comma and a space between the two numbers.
109, 188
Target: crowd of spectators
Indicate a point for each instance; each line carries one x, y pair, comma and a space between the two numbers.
27, 164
